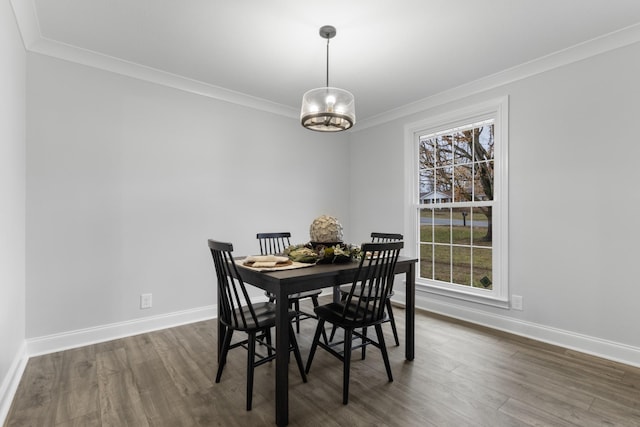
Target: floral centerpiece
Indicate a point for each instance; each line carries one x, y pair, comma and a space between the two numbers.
301, 253
323, 254
326, 246
337, 253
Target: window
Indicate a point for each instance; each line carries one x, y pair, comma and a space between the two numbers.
458, 206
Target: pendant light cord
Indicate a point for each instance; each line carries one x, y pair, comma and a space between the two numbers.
328, 62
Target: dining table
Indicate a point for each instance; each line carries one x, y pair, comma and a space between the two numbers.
283, 283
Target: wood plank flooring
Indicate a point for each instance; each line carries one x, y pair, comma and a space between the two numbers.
463, 375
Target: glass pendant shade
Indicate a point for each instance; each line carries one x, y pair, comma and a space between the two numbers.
328, 109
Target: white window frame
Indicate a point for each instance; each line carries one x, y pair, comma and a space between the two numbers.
497, 109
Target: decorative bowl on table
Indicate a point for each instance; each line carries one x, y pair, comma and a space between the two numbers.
326, 229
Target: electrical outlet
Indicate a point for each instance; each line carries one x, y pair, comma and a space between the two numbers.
516, 302
145, 301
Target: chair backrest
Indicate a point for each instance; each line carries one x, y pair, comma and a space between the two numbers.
231, 289
373, 282
273, 243
385, 237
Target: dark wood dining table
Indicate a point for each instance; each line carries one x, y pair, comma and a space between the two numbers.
286, 282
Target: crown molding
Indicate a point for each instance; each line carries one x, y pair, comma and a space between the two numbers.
33, 40
48, 47
584, 50
27, 20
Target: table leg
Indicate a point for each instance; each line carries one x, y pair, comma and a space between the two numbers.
337, 297
410, 307
282, 358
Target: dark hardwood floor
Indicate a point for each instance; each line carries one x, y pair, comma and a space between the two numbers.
463, 375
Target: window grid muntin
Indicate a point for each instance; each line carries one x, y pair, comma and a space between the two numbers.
472, 246
437, 185
428, 140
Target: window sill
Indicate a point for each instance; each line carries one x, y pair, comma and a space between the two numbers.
423, 287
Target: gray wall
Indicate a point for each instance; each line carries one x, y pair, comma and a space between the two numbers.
12, 202
573, 203
126, 180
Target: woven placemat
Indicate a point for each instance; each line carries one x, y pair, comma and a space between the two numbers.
290, 266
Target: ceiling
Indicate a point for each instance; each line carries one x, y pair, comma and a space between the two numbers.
387, 53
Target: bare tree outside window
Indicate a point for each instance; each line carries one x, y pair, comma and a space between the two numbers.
456, 185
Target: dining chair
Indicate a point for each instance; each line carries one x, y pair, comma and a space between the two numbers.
238, 313
274, 244
363, 307
344, 290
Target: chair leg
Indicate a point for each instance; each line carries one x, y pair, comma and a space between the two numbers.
346, 367
393, 322
333, 332
324, 336
296, 305
296, 352
343, 297
222, 332
267, 335
222, 359
314, 300
364, 342
383, 349
314, 344
251, 347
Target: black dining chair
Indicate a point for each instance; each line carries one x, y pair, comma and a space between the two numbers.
363, 307
238, 313
344, 289
274, 244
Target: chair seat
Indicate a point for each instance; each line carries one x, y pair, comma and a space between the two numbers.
265, 316
333, 313
299, 295
345, 289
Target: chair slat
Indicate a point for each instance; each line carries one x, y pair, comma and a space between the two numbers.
374, 280
273, 243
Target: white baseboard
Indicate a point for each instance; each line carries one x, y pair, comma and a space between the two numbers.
610, 350
82, 337
11, 381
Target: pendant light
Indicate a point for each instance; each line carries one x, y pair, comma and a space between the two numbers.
328, 109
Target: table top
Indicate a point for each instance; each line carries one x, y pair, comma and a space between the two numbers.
309, 278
